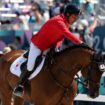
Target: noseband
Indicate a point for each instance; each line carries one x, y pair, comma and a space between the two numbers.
89, 76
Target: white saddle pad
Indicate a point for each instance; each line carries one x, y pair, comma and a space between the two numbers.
15, 67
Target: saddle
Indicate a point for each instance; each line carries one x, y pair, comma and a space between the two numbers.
37, 63
48, 61
50, 57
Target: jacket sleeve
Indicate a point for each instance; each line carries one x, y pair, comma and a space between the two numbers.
67, 33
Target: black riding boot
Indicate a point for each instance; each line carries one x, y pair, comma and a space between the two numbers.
19, 89
25, 55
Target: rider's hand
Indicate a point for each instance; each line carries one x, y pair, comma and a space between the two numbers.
81, 42
84, 44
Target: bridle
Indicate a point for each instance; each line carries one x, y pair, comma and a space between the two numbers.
88, 79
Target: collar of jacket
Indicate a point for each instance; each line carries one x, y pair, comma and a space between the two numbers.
65, 21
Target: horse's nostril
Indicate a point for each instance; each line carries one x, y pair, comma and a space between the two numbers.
93, 94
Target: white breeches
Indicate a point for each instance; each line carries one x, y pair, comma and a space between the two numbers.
33, 54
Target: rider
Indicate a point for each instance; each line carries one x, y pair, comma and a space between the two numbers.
54, 30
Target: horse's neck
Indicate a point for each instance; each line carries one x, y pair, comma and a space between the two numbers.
68, 64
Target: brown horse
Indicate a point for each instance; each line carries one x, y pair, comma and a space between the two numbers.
55, 84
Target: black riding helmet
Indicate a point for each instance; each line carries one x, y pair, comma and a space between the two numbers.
71, 9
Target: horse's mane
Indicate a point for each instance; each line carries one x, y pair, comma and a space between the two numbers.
74, 47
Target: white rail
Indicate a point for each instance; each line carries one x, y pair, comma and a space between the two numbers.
84, 97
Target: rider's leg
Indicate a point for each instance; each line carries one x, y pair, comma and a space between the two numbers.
33, 54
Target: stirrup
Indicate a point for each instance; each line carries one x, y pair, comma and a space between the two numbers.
19, 91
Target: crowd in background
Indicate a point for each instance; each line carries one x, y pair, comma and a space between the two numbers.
37, 13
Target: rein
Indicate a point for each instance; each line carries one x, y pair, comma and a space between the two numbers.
79, 80
84, 82
50, 63
58, 83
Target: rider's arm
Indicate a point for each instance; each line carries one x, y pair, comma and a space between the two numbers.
68, 34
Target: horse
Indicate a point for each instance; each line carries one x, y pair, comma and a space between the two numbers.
55, 84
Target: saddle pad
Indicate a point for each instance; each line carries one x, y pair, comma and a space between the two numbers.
15, 67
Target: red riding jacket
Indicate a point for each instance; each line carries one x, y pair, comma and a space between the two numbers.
53, 31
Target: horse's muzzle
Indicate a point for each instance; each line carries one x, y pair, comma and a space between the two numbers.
93, 95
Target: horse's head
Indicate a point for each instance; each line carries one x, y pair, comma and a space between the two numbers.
93, 73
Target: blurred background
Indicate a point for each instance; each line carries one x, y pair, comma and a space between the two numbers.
21, 19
